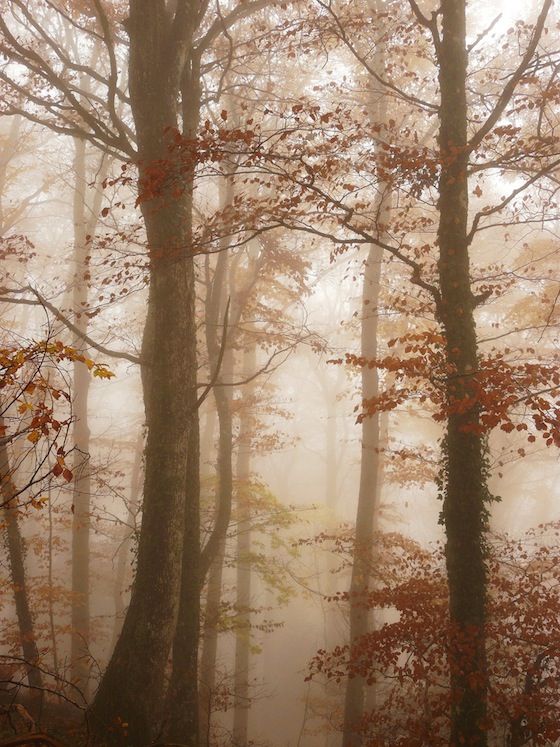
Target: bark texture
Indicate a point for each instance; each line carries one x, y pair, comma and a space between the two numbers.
133, 689
370, 468
464, 482
368, 500
241, 690
15, 547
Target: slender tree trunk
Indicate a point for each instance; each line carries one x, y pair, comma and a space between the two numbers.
215, 307
15, 546
243, 597
368, 499
370, 478
14, 540
52, 626
465, 487
209, 654
85, 218
80, 634
332, 452
221, 320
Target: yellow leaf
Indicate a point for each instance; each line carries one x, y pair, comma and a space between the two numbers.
34, 436
103, 373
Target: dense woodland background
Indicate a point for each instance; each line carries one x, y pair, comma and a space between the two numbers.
279, 372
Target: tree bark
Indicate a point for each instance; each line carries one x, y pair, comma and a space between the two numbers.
15, 547
132, 690
123, 558
368, 499
464, 481
370, 477
182, 701
241, 690
209, 654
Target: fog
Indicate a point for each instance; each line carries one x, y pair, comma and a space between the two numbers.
279, 376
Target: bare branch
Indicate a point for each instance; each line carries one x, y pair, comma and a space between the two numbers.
512, 195
216, 373
343, 36
513, 81
67, 323
241, 11
484, 33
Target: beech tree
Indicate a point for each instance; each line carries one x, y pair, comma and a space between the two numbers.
323, 170
167, 42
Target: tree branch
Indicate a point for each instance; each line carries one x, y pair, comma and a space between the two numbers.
221, 354
513, 81
40, 301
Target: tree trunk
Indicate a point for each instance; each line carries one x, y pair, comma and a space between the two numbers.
15, 546
85, 218
123, 558
370, 478
368, 498
241, 691
79, 638
182, 700
464, 479
215, 293
132, 691
208, 656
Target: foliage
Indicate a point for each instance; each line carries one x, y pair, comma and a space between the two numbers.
36, 413
406, 658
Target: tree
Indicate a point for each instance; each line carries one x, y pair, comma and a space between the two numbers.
17, 573
471, 397
84, 230
167, 43
409, 657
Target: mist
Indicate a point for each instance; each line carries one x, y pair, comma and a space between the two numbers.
279, 417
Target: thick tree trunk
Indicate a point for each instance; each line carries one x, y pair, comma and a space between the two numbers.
465, 489
182, 701
132, 690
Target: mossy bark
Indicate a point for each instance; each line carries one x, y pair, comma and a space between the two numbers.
464, 480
